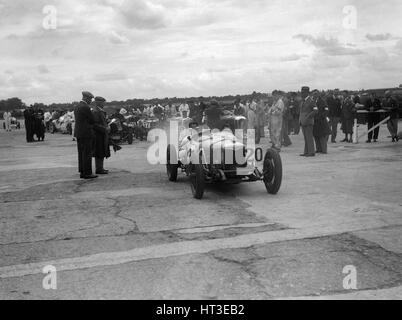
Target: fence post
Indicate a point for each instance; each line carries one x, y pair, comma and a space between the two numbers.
355, 132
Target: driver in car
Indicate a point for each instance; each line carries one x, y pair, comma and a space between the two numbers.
187, 134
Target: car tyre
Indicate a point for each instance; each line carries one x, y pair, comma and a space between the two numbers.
272, 174
171, 163
198, 181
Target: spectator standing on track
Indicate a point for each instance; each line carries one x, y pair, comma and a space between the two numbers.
101, 130
294, 106
334, 114
29, 124
239, 109
373, 117
173, 110
261, 117
308, 110
348, 115
184, 110
391, 105
321, 129
84, 121
7, 120
48, 119
275, 114
252, 119
39, 126
287, 118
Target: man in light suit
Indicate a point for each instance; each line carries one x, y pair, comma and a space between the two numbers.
308, 110
276, 119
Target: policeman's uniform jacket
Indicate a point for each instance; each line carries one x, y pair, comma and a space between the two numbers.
308, 110
84, 121
102, 148
321, 126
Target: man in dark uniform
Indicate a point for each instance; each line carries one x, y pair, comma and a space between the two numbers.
334, 106
29, 123
101, 129
39, 126
391, 105
373, 117
321, 129
213, 114
308, 110
84, 121
294, 115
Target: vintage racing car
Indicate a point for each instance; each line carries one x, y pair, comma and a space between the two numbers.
144, 126
62, 125
220, 157
121, 131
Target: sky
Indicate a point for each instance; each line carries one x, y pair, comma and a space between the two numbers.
51, 51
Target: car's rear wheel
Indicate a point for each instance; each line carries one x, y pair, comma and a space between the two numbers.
272, 171
172, 164
197, 181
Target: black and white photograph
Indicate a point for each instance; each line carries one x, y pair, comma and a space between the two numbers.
217, 152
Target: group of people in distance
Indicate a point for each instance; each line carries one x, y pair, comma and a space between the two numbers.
34, 124
318, 114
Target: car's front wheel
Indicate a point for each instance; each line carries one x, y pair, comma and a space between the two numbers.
272, 171
172, 164
198, 181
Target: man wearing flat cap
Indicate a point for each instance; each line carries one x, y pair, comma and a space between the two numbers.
307, 113
101, 128
84, 122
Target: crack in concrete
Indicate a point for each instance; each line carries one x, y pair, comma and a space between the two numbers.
245, 266
117, 206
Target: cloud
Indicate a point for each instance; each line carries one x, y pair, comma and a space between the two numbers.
398, 46
142, 14
329, 46
117, 38
43, 69
379, 37
293, 57
112, 76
